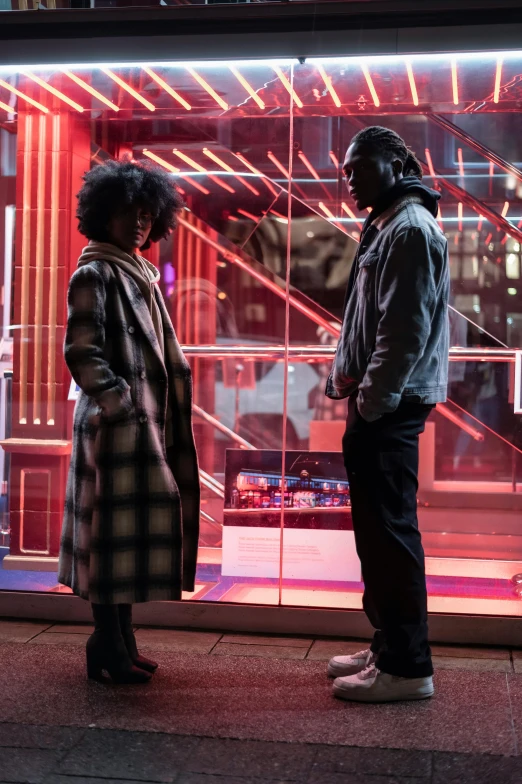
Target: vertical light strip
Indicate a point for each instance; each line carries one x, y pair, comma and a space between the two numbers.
39, 263
505, 209
413, 86
455, 81
459, 212
248, 87
188, 275
480, 221
371, 87
53, 270
329, 86
461, 162
26, 260
498, 77
491, 173
288, 270
334, 159
288, 87
180, 250
197, 274
430, 166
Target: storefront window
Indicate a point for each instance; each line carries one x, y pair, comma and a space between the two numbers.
254, 279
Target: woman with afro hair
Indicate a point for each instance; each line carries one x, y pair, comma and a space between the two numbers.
131, 523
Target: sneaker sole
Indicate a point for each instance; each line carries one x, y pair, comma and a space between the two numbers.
345, 694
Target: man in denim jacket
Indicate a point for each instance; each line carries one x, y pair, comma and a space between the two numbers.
392, 365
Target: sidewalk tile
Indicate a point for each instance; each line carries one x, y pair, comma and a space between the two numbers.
30, 766
255, 698
483, 769
264, 651
253, 639
476, 665
177, 641
251, 758
372, 762
128, 755
457, 651
27, 736
322, 650
47, 638
20, 631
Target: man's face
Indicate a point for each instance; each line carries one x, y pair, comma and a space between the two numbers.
369, 174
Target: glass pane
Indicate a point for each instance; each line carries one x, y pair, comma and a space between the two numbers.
223, 132
469, 494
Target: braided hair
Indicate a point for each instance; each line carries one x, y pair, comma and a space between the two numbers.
388, 142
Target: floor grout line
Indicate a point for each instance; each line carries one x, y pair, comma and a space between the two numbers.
513, 728
221, 635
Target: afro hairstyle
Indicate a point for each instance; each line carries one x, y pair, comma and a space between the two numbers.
114, 185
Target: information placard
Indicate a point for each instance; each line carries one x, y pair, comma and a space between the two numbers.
318, 539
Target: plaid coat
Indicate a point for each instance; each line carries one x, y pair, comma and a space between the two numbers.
131, 523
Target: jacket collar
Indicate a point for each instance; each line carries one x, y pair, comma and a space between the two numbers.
396, 207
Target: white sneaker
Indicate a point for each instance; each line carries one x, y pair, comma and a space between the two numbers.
372, 685
350, 665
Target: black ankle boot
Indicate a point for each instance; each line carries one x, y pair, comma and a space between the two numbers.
106, 649
125, 611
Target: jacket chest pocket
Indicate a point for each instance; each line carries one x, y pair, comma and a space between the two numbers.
366, 279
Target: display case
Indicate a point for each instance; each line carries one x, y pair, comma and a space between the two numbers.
254, 278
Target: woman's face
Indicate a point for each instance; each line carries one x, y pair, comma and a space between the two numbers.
130, 227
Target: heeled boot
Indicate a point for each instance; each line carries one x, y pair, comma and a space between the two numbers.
106, 649
125, 611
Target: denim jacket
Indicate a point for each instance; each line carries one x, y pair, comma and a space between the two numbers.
394, 339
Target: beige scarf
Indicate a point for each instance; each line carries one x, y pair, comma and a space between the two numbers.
146, 276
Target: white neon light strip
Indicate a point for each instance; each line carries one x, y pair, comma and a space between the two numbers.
270, 63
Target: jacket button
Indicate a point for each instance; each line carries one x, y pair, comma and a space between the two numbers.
143, 374
131, 330
143, 419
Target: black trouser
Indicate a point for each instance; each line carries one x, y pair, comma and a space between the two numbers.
382, 461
